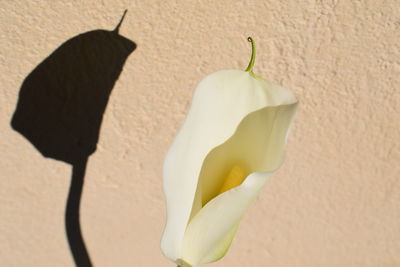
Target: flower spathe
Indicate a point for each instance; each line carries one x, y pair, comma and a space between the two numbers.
230, 144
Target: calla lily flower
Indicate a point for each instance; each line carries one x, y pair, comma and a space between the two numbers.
230, 144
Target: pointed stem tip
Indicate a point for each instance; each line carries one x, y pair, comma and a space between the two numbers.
116, 30
253, 55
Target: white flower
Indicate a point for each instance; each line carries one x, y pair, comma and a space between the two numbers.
231, 142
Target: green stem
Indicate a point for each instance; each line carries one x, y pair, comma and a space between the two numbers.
253, 56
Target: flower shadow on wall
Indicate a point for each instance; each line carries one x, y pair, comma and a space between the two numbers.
61, 106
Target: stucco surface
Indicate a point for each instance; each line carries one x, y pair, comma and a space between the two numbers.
334, 202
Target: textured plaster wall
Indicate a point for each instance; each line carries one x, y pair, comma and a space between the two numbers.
334, 202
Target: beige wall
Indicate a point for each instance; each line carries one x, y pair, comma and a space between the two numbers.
334, 202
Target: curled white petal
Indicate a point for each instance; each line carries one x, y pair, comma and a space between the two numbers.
221, 103
257, 146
